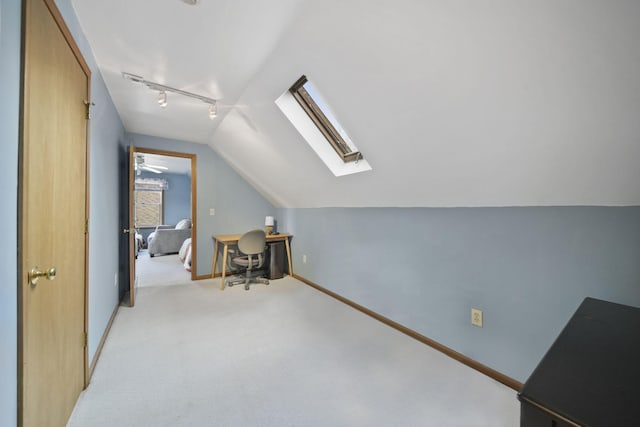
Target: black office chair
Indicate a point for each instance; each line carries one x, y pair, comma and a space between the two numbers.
251, 246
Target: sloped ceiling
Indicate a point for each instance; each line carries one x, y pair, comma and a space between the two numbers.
453, 103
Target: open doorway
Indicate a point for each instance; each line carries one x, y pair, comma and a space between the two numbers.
163, 206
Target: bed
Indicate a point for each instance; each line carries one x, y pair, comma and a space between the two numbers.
185, 254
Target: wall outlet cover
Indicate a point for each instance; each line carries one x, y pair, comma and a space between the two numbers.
476, 317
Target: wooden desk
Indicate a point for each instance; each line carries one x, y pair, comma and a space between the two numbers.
232, 239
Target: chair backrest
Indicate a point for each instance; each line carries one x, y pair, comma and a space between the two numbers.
252, 242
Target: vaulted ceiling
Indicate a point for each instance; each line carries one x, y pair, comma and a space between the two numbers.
453, 103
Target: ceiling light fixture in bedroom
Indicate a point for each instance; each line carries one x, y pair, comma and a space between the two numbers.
140, 164
163, 89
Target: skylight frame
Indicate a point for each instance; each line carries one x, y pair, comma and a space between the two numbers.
322, 122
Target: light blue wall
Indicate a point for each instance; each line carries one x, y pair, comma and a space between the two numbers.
238, 206
527, 268
9, 113
106, 133
177, 200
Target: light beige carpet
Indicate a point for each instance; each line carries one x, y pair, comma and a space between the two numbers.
161, 270
277, 355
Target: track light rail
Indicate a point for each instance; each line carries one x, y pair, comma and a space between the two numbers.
164, 88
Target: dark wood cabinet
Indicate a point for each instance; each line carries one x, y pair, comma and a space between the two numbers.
591, 374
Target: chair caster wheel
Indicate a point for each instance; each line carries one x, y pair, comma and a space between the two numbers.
230, 285
246, 288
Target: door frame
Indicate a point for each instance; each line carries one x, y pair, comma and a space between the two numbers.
22, 275
194, 206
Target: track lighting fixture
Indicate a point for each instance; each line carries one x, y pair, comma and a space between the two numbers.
163, 89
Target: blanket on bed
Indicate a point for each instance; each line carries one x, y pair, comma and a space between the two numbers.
185, 254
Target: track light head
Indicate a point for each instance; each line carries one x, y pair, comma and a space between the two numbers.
162, 99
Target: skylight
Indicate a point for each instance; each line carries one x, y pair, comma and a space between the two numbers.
312, 117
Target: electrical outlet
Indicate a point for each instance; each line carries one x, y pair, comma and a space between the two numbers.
115, 280
212, 211
304, 259
476, 317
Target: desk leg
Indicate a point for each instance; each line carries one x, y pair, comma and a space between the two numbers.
215, 259
286, 245
224, 264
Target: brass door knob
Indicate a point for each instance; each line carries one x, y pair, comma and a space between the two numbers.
36, 274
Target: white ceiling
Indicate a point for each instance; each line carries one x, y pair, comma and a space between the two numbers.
453, 103
211, 49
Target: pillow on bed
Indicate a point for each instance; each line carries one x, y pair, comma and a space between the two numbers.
184, 224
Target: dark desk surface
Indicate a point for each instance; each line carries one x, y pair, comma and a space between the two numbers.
591, 373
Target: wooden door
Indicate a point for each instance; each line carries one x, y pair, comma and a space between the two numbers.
133, 279
53, 220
